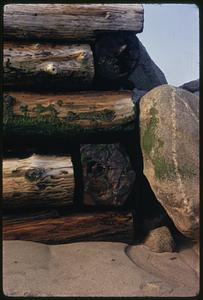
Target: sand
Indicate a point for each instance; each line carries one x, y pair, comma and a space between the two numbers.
97, 269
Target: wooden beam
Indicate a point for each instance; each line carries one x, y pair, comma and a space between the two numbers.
50, 227
67, 116
38, 181
69, 21
47, 66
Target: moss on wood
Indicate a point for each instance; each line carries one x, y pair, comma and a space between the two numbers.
53, 126
60, 102
8, 104
105, 115
39, 109
43, 121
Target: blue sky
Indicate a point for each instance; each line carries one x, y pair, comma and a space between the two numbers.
171, 37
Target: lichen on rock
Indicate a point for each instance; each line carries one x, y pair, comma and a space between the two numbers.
169, 129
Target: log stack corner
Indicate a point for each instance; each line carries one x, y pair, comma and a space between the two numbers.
57, 67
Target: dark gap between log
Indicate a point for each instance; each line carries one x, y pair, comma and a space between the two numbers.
116, 54
147, 212
57, 143
78, 175
24, 150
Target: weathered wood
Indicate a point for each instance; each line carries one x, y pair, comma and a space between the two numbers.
51, 228
67, 116
69, 21
38, 181
47, 66
108, 175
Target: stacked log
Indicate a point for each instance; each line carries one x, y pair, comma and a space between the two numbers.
41, 181
64, 65
43, 53
68, 69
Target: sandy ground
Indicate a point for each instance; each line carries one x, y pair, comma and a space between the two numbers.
97, 269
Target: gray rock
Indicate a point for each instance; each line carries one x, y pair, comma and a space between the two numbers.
160, 240
138, 94
169, 126
107, 174
191, 86
147, 74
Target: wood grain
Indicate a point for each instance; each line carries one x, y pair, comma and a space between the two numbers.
40, 66
69, 21
51, 228
38, 181
67, 116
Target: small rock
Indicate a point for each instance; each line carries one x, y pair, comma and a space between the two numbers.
160, 240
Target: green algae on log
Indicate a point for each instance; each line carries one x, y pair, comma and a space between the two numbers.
67, 116
72, 22
40, 66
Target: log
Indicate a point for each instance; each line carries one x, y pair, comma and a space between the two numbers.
67, 117
38, 181
50, 227
108, 175
73, 22
40, 66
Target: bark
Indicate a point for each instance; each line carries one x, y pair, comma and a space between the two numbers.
69, 21
68, 117
47, 66
38, 181
51, 228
